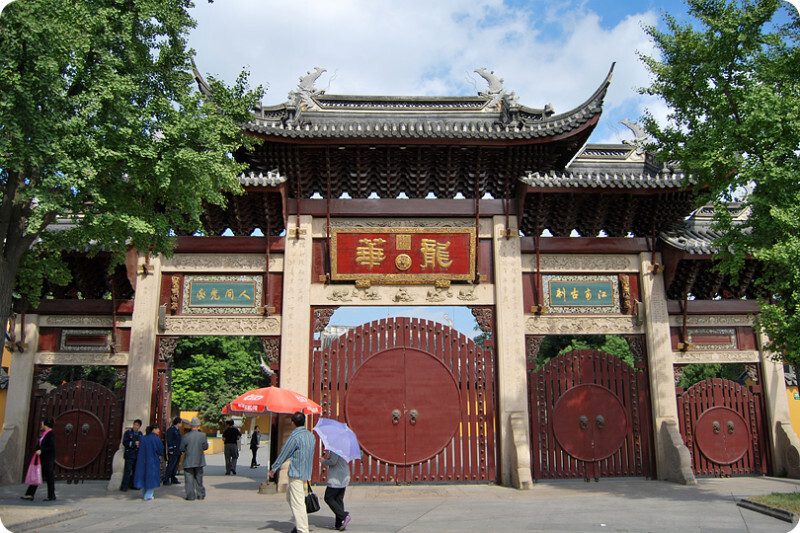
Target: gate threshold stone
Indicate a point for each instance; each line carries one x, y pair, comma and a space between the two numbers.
18, 518
780, 514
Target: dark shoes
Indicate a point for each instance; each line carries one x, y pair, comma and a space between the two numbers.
49, 499
26, 497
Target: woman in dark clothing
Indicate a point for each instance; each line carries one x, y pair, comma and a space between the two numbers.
46, 450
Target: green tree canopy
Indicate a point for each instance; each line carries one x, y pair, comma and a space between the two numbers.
101, 125
554, 345
731, 78
211, 371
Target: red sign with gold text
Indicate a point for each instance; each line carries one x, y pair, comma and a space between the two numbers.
403, 255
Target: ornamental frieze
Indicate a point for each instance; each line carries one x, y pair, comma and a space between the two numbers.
574, 325
83, 321
739, 356
92, 359
221, 263
220, 325
676, 321
482, 294
581, 263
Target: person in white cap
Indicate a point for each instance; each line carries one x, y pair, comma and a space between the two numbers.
193, 445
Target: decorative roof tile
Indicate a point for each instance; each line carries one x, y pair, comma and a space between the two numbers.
696, 235
491, 116
603, 180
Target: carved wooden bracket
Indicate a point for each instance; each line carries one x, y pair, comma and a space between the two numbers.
321, 317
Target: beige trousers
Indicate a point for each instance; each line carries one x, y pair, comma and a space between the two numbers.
296, 496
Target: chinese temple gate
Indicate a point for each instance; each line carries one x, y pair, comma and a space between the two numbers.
478, 202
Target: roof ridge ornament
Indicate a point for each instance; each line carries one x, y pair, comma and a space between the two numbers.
641, 137
303, 96
496, 93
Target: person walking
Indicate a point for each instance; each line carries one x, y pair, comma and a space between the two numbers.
338, 479
46, 450
147, 475
173, 451
231, 437
299, 448
255, 441
130, 441
193, 445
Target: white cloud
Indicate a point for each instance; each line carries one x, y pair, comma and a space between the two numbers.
547, 52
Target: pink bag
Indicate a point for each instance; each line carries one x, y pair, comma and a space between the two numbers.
34, 475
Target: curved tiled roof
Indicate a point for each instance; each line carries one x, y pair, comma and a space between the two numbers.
604, 180
426, 118
697, 235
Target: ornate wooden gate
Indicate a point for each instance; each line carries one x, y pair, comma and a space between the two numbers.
590, 418
420, 397
722, 424
87, 428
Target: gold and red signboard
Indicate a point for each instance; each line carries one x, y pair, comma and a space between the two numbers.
403, 255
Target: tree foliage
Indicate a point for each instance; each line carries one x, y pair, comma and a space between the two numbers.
101, 125
554, 345
209, 372
731, 78
700, 372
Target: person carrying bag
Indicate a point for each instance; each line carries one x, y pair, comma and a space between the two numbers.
45, 456
34, 475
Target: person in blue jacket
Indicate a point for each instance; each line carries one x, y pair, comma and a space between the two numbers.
173, 452
130, 441
148, 463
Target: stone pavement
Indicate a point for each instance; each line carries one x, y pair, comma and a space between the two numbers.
234, 504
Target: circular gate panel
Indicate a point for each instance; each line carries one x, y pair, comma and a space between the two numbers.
433, 410
80, 436
722, 435
404, 406
589, 422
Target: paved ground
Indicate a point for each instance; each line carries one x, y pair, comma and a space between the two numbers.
233, 504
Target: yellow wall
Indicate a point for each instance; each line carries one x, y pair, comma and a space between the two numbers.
793, 395
6, 362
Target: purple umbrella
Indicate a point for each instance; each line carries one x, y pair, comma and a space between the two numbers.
338, 438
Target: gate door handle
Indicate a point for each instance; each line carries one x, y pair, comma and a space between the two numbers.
730, 427
412, 415
396, 416
85, 429
68, 429
601, 421
583, 420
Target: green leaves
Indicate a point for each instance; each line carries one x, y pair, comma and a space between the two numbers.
100, 122
211, 371
732, 80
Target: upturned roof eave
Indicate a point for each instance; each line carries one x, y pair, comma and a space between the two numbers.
327, 126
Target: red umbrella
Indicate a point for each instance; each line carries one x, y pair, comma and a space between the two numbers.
272, 399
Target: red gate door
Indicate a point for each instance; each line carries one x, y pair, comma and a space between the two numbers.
722, 424
404, 405
589, 418
418, 395
87, 427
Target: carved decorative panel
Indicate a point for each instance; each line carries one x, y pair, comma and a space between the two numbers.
272, 349
322, 315
484, 317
